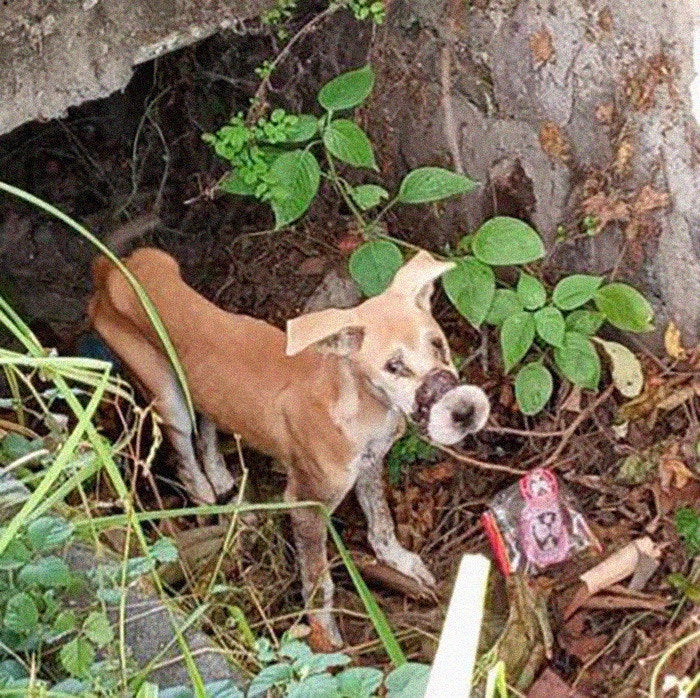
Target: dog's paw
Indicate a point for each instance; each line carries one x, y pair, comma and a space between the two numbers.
408, 563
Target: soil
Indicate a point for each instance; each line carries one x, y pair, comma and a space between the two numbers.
140, 153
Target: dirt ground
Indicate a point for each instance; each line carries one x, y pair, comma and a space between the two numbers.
140, 153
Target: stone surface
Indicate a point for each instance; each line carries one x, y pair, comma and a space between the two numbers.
547, 105
59, 53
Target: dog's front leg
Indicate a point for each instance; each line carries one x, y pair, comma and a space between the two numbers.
381, 532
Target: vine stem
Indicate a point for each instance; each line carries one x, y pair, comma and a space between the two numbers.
341, 190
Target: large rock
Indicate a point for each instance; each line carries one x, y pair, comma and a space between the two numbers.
571, 114
56, 54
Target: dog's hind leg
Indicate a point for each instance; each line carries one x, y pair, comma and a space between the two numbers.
153, 371
213, 461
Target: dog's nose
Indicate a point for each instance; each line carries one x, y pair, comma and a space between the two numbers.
434, 386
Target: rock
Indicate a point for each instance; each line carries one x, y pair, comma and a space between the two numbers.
335, 291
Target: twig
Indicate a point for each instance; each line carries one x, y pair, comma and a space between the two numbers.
475, 462
498, 429
581, 417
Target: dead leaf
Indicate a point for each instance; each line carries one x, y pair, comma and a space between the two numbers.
312, 266
605, 19
554, 142
550, 684
623, 155
649, 199
605, 113
673, 472
672, 342
541, 46
440, 472
605, 209
626, 370
573, 400
676, 398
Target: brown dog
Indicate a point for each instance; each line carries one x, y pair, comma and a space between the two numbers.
328, 400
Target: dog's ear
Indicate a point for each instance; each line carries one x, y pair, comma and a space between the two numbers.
332, 331
416, 278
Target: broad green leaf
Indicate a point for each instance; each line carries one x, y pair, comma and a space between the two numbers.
65, 622
503, 241
164, 550
347, 142
368, 196
531, 291
16, 554
505, 303
296, 650
517, 335
550, 325
315, 686
359, 682
374, 264
318, 663
77, 656
49, 532
298, 175
98, 628
270, 676
533, 387
578, 360
347, 90
410, 680
50, 571
470, 286
306, 127
21, 614
625, 308
14, 446
575, 290
584, 321
427, 184
627, 373
233, 184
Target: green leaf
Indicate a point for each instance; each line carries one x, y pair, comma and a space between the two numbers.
575, 290
584, 321
49, 532
359, 682
318, 663
625, 308
270, 676
517, 335
234, 184
687, 522
505, 303
295, 650
16, 554
317, 686
374, 264
306, 127
347, 90
347, 142
426, 184
410, 680
578, 360
298, 175
65, 622
48, 571
550, 325
531, 291
77, 657
98, 628
21, 614
533, 387
627, 373
368, 196
503, 240
164, 550
470, 286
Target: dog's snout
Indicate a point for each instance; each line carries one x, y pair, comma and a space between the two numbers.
460, 411
434, 386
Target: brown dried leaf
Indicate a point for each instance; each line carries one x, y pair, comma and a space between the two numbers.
605, 19
605, 113
605, 209
673, 472
554, 142
623, 155
440, 472
549, 684
672, 342
649, 199
541, 46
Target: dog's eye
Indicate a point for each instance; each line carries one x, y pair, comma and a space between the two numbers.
397, 367
440, 348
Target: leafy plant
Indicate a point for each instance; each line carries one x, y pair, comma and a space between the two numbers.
557, 326
293, 670
281, 159
407, 451
688, 527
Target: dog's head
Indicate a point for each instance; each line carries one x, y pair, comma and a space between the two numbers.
396, 344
